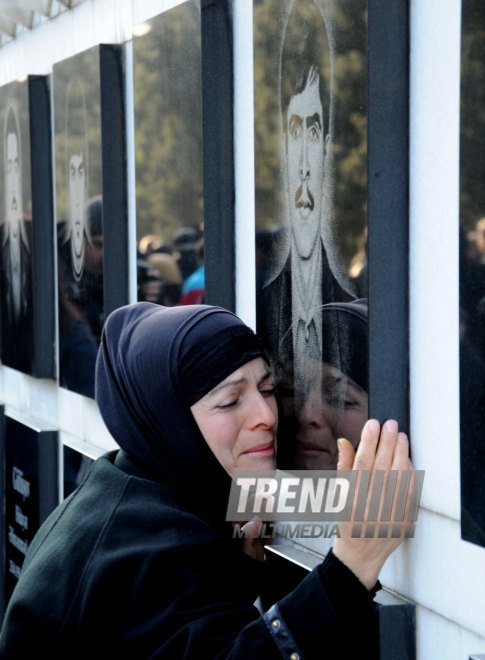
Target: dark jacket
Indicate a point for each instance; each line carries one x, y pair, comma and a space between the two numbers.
121, 570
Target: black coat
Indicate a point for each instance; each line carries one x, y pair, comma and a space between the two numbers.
121, 570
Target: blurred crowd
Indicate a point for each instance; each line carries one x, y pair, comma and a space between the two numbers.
171, 272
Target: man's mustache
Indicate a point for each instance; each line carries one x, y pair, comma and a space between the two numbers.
304, 198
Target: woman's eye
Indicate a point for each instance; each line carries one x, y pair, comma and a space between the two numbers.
269, 391
227, 404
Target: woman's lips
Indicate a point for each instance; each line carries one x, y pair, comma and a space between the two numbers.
264, 449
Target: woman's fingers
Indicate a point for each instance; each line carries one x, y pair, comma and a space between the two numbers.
366, 452
387, 445
346, 454
401, 454
381, 448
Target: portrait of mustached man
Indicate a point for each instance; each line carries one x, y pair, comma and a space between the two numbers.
76, 228
308, 271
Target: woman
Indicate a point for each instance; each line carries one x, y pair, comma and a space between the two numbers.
139, 562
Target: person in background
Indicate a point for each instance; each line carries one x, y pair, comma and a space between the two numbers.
185, 245
170, 275
193, 288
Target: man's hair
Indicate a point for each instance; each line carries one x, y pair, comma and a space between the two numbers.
305, 47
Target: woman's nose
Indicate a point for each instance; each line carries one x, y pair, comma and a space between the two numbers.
264, 412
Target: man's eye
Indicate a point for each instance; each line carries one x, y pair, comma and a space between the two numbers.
295, 130
314, 134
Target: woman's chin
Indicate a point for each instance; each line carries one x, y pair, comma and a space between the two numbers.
248, 462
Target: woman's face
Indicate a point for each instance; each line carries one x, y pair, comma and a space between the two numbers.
239, 418
335, 407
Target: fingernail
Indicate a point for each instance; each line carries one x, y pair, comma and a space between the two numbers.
402, 437
372, 425
391, 426
340, 446
251, 528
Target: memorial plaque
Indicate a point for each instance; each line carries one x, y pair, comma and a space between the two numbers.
26, 213
30, 491
167, 87
310, 122
91, 205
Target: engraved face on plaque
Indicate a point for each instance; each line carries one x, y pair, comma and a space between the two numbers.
310, 149
76, 163
16, 234
79, 202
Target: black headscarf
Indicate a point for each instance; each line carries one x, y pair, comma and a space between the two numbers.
153, 363
345, 337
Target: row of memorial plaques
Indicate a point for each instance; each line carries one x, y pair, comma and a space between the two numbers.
310, 84
89, 241
310, 113
81, 94
30, 490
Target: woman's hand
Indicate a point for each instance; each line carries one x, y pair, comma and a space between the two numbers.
253, 544
385, 449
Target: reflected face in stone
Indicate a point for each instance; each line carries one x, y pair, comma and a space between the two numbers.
14, 189
305, 163
77, 188
239, 418
335, 407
